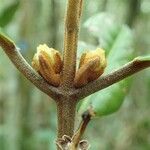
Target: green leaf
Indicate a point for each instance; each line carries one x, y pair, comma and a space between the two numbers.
101, 25
8, 13
119, 52
104, 27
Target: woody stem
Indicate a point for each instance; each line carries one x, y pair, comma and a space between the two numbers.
70, 42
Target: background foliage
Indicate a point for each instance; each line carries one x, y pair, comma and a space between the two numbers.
28, 117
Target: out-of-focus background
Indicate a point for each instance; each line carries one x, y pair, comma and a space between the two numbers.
28, 117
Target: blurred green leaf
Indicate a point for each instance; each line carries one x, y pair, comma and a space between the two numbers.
119, 52
8, 13
104, 26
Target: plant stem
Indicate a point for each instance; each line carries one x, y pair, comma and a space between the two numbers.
114, 77
70, 42
86, 117
66, 104
66, 108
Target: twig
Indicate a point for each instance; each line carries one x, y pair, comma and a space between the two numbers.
70, 42
105, 81
17, 59
75, 143
86, 117
66, 105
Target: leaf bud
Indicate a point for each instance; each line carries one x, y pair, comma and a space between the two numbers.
91, 67
48, 63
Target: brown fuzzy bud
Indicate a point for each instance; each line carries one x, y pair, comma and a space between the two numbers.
48, 63
91, 67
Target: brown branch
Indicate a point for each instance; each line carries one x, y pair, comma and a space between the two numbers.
66, 105
17, 59
105, 81
66, 109
70, 42
86, 117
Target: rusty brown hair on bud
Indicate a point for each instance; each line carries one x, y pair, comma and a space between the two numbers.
91, 67
48, 63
